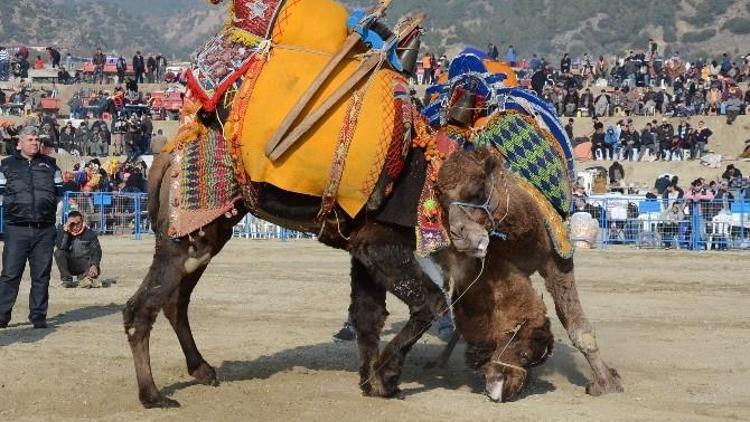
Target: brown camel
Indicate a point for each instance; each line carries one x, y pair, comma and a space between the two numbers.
501, 317
382, 260
490, 313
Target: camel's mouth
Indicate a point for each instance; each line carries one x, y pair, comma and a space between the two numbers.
503, 387
473, 246
494, 390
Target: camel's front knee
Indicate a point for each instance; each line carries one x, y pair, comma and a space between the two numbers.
584, 340
137, 320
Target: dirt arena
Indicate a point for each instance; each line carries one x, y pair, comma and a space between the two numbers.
675, 324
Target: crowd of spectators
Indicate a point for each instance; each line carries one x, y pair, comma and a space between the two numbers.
643, 83
116, 176
99, 68
657, 140
144, 70
705, 207
639, 83
130, 136
23, 99
120, 181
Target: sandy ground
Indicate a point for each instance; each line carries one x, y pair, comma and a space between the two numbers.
674, 324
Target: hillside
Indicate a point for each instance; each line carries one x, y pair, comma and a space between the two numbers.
175, 27
78, 26
697, 28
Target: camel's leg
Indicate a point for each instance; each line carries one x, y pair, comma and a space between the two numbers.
176, 268
176, 311
140, 312
560, 282
425, 301
367, 313
388, 255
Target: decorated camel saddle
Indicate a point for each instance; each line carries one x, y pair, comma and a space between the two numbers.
480, 108
305, 84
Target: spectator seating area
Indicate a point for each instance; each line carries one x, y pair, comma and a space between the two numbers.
635, 220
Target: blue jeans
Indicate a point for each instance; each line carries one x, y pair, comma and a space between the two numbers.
445, 323
4, 69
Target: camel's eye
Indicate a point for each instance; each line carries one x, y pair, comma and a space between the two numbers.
476, 197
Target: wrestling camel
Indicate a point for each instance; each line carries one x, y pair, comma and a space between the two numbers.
237, 129
382, 260
482, 197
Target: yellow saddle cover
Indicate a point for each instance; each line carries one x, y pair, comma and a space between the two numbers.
298, 56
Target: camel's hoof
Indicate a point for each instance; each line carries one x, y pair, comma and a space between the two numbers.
608, 386
392, 393
159, 402
205, 374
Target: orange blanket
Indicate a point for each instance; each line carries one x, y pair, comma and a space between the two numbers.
300, 52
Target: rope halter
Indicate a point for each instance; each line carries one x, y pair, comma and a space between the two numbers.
494, 230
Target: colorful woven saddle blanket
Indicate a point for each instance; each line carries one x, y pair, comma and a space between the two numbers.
203, 185
470, 70
220, 64
529, 154
525, 130
355, 137
536, 147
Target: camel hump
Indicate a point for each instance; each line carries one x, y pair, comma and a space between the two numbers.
316, 25
156, 174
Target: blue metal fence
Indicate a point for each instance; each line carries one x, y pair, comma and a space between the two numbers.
622, 220
110, 212
658, 223
127, 213
251, 227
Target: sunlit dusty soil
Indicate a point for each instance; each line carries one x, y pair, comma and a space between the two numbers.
676, 325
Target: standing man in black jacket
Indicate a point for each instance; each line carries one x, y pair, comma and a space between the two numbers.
29, 183
565, 64
150, 69
139, 66
538, 81
99, 61
54, 56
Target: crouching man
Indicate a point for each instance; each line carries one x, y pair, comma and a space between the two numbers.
78, 253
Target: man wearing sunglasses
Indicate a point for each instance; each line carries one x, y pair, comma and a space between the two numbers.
30, 183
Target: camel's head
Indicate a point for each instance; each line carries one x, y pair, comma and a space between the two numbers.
470, 187
505, 372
